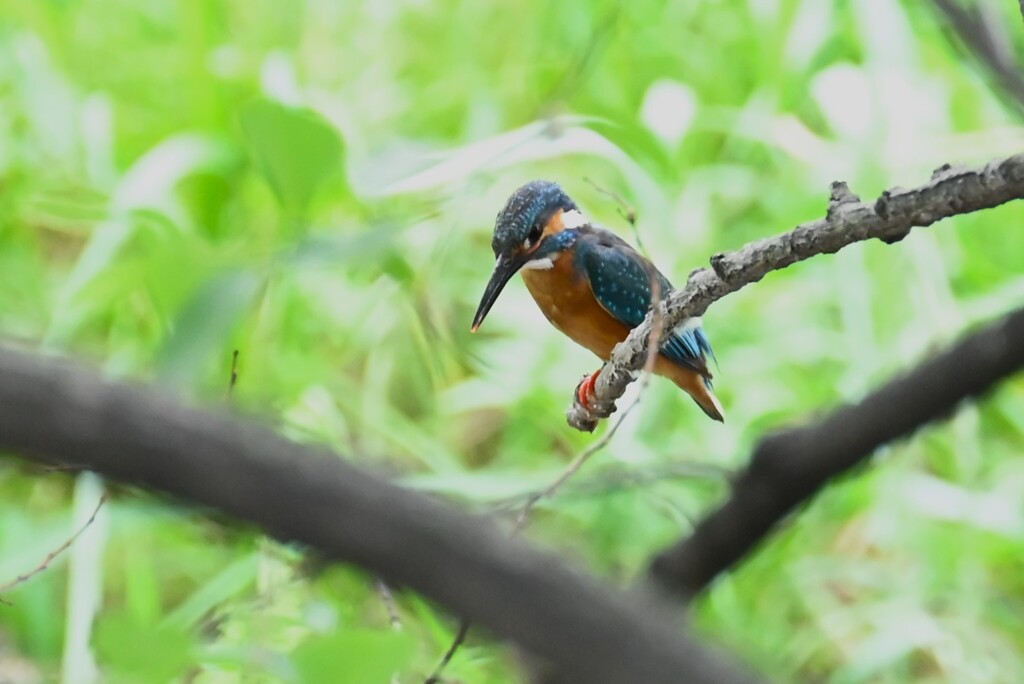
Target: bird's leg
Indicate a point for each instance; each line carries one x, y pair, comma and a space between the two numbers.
585, 390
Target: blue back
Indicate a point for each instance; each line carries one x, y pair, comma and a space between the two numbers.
621, 280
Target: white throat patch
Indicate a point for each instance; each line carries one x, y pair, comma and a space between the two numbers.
539, 264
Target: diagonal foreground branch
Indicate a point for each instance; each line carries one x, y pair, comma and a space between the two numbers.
951, 191
788, 467
55, 413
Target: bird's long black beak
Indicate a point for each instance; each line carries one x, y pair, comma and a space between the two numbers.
504, 269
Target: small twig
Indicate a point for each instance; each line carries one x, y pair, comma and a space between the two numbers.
50, 557
583, 456
576, 73
460, 637
388, 599
233, 380
621, 478
626, 210
69, 468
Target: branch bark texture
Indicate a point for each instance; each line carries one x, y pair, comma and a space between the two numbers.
58, 414
787, 468
951, 191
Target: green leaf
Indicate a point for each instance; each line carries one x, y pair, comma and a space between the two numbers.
135, 651
353, 656
296, 149
229, 582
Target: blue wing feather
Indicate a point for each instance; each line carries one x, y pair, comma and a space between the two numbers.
621, 281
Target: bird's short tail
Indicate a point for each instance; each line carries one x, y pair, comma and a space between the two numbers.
708, 402
697, 385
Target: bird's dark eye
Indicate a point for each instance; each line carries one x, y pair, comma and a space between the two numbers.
535, 234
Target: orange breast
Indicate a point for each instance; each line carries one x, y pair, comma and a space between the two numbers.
568, 302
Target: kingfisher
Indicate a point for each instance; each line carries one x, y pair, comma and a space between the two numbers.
592, 286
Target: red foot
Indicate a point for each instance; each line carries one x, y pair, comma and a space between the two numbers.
585, 390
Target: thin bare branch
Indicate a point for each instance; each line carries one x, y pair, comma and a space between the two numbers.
460, 638
951, 191
50, 557
388, 599
621, 478
626, 210
577, 463
583, 62
233, 379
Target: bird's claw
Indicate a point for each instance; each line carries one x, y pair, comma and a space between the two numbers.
585, 393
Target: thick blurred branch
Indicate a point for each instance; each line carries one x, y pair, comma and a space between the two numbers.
58, 414
788, 467
985, 35
951, 191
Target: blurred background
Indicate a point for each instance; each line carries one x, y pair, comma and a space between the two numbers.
314, 184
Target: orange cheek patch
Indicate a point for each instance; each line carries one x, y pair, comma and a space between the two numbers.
556, 224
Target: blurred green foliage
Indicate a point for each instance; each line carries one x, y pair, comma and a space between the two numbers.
313, 184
